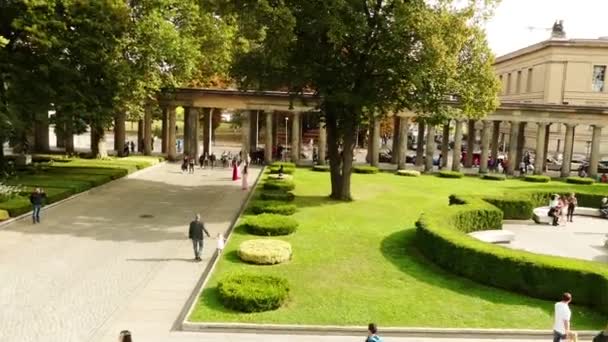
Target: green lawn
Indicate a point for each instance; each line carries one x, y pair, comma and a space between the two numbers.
355, 262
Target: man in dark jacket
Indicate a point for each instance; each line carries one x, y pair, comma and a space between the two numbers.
37, 199
197, 228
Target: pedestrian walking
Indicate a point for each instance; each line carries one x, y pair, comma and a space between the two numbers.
572, 203
190, 164
185, 164
37, 199
561, 326
221, 241
235, 171
244, 176
132, 147
212, 159
195, 233
372, 333
125, 336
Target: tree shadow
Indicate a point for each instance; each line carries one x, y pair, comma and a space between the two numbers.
315, 201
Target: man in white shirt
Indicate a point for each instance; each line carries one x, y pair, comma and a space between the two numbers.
561, 327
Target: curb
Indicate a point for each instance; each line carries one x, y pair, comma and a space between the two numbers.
324, 330
182, 318
74, 196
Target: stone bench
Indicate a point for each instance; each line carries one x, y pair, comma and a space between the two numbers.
541, 214
494, 236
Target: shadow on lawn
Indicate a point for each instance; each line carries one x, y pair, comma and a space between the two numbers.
315, 201
399, 248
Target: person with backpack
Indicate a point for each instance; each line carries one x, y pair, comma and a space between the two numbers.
372, 333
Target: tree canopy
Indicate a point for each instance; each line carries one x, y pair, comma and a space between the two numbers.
367, 59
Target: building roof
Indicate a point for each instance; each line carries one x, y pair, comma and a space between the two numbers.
592, 43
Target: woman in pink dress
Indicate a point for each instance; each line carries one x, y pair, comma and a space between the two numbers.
244, 174
235, 172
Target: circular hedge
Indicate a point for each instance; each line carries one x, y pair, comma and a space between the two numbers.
494, 176
285, 185
408, 173
321, 168
278, 195
286, 165
580, 180
265, 251
366, 169
278, 178
273, 207
270, 225
274, 170
537, 179
253, 293
451, 174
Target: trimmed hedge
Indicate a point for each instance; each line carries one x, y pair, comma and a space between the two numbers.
277, 195
408, 173
253, 293
321, 168
440, 237
451, 174
4, 215
285, 165
494, 176
272, 207
269, 225
265, 251
513, 207
365, 169
21, 204
284, 185
580, 180
537, 179
273, 170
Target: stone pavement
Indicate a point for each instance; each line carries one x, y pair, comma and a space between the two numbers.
115, 258
581, 239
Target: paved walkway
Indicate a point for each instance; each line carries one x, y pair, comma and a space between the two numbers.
581, 239
115, 258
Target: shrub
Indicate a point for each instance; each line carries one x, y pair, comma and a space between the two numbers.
408, 173
451, 174
277, 177
272, 207
285, 185
265, 251
21, 204
366, 169
278, 195
8, 192
274, 170
269, 225
439, 236
513, 207
494, 176
537, 179
285, 165
4, 215
253, 293
321, 168
580, 180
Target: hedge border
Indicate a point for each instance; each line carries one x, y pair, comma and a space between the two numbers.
580, 180
365, 169
537, 178
450, 174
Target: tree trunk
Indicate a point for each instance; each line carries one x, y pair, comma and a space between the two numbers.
68, 138
340, 162
98, 142
120, 134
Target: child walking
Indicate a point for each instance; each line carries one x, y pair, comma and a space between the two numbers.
220, 243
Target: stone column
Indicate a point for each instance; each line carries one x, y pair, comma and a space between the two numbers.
568, 144
322, 143
485, 147
445, 145
140, 135
254, 127
546, 149
374, 150
396, 133
187, 138
196, 123
468, 160
171, 123
207, 128
295, 137
420, 144
402, 142
540, 148
148, 131
268, 138
511, 165
163, 133
245, 132
521, 142
595, 151
41, 136
495, 136
430, 148
119, 133
457, 151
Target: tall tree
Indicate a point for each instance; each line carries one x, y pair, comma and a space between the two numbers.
368, 58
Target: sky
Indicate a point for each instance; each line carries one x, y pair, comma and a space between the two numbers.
508, 30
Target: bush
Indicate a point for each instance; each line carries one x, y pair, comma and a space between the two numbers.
253, 293
269, 225
272, 207
321, 168
408, 173
274, 170
285, 165
439, 236
513, 207
284, 185
580, 180
494, 176
537, 179
265, 251
365, 169
451, 174
4, 215
278, 195
21, 204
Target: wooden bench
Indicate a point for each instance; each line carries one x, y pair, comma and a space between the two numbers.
494, 236
541, 214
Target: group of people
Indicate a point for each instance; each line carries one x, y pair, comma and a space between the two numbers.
561, 206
